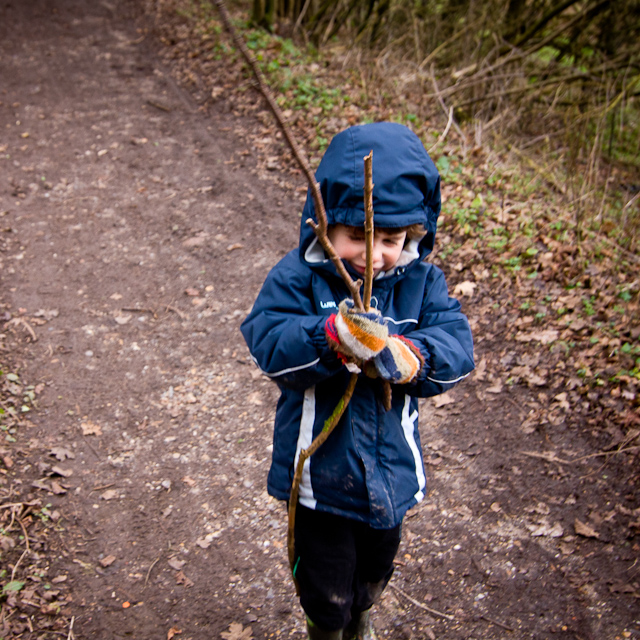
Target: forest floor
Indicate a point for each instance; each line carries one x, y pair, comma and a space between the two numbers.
138, 218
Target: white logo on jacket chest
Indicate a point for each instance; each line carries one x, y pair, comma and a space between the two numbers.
330, 304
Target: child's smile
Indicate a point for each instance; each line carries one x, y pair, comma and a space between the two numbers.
350, 245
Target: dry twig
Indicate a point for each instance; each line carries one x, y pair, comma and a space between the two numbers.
496, 622
319, 227
368, 227
433, 612
21, 321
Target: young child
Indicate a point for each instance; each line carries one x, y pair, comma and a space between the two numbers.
303, 331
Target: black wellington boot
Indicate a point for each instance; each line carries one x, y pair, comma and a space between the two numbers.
360, 627
316, 633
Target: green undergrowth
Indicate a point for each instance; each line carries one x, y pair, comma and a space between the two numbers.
16, 400
566, 242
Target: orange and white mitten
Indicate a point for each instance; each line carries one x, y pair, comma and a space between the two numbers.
399, 362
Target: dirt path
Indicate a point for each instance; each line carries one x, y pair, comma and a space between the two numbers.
136, 233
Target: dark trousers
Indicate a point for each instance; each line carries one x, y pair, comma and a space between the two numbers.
341, 565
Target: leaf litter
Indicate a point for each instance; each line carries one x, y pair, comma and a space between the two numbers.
555, 365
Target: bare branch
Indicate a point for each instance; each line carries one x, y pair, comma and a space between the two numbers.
368, 228
320, 227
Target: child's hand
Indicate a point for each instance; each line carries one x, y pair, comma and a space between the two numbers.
399, 362
357, 334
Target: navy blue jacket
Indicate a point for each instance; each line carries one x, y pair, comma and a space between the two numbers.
370, 469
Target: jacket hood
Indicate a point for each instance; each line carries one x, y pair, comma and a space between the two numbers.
406, 183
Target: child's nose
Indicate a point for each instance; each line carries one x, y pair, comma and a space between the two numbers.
377, 251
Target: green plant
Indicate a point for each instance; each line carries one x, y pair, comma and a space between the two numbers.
513, 264
12, 587
589, 307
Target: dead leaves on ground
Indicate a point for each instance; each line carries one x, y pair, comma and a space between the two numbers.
237, 632
26, 585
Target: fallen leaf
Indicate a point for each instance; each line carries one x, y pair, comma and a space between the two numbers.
236, 632
57, 488
203, 543
176, 564
480, 371
173, 632
59, 579
442, 400
51, 608
182, 579
561, 399
61, 453
237, 245
110, 494
126, 605
65, 473
107, 561
465, 288
584, 530
543, 337
91, 429
122, 319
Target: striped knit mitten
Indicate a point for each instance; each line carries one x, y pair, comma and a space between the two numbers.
357, 334
399, 362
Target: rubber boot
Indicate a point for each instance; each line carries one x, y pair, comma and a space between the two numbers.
360, 627
316, 633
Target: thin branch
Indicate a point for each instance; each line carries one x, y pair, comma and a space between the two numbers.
515, 55
153, 564
319, 227
548, 456
368, 228
10, 505
433, 612
444, 133
444, 106
496, 622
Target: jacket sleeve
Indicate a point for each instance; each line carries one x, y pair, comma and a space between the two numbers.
444, 338
285, 334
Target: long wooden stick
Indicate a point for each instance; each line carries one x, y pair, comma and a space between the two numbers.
332, 421
320, 228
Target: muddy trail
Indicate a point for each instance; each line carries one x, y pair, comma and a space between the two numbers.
137, 225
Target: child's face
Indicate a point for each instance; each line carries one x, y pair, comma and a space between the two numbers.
350, 245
